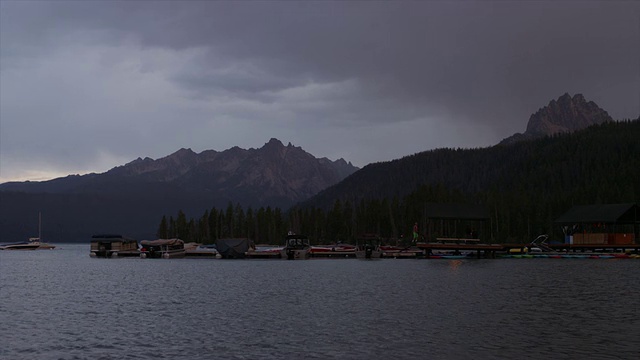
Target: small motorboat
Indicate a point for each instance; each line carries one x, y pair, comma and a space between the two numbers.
162, 249
368, 247
296, 247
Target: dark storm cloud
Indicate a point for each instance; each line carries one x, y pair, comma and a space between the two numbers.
457, 55
439, 73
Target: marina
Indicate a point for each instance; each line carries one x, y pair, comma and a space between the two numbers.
608, 231
174, 248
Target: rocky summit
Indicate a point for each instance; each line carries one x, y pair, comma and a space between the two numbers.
566, 114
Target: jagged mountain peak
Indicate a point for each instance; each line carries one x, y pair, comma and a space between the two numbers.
182, 153
275, 150
138, 161
565, 114
273, 142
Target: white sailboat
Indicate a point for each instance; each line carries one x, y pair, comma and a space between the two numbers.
34, 243
37, 240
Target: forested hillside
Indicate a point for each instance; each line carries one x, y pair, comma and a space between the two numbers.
525, 186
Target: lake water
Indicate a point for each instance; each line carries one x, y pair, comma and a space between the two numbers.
62, 304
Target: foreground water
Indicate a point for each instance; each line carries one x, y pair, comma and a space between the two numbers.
62, 304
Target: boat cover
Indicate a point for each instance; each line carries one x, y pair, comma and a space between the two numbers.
233, 248
161, 242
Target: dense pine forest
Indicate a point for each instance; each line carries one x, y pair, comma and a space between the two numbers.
524, 187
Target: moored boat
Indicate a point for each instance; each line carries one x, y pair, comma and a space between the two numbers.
368, 251
37, 241
201, 250
162, 249
333, 250
398, 252
41, 245
368, 247
34, 243
296, 247
113, 245
265, 251
233, 248
19, 246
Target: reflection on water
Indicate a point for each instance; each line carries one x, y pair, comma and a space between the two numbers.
454, 264
62, 304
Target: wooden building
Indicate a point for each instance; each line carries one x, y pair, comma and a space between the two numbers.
606, 224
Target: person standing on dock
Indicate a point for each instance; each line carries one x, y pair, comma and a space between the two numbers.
415, 233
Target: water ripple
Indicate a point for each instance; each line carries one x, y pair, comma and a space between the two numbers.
63, 305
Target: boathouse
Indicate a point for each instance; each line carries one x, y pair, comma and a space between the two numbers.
113, 245
456, 222
605, 224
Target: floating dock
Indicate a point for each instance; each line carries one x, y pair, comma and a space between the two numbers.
263, 254
492, 251
453, 250
334, 254
201, 253
481, 250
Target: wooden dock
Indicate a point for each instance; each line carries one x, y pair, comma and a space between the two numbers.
581, 248
263, 254
408, 254
201, 254
596, 247
481, 250
445, 248
490, 250
334, 254
128, 253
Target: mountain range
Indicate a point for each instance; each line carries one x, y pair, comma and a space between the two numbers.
274, 175
132, 198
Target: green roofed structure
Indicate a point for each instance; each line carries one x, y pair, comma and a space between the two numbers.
606, 224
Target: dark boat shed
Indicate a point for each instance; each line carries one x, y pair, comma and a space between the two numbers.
604, 218
456, 220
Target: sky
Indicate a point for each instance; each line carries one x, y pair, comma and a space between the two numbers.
87, 86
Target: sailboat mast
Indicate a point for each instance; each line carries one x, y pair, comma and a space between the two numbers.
39, 225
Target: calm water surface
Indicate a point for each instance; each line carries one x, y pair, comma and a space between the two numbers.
62, 304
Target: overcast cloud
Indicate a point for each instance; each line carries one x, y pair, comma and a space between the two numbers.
86, 86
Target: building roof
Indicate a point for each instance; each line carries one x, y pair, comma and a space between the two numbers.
604, 213
456, 211
110, 238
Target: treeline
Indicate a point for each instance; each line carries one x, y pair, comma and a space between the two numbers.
344, 222
524, 187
